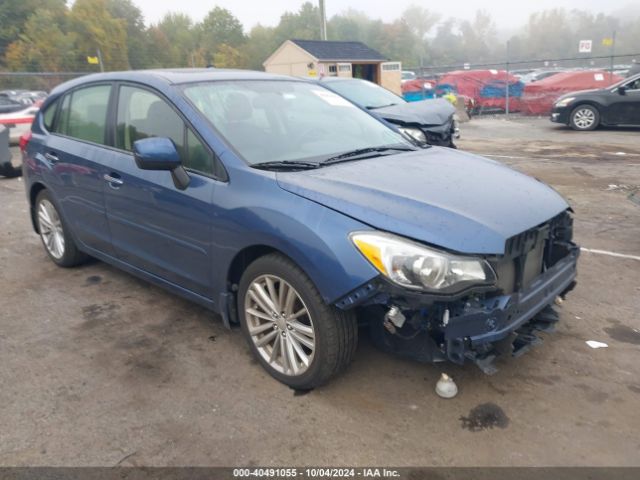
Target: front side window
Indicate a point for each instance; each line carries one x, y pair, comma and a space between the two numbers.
143, 114
266, 120
634, 85
84, 114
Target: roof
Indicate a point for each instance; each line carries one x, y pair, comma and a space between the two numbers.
336, 50
172, 76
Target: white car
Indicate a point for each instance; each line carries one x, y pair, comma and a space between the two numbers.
18, 122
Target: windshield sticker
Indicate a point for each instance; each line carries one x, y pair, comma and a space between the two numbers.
598, 77
332, 99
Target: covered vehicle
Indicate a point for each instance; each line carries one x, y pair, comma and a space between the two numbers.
487, 88
539, 97
286, 208
429, 121
616, 105
537, 75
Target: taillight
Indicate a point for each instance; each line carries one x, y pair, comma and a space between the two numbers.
24, 140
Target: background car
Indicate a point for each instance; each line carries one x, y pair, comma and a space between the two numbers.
616, 105
18, 121
7, 105
430, 121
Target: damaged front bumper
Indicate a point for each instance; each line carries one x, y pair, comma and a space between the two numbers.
475, 326
479, 332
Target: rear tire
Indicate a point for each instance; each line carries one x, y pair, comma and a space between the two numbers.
584, 118
54, 233
319, 340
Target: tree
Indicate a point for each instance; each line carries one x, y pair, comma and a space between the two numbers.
96, 29
180, 36
43, 45
479, 37
304, 24
261, 43
219, 28
137, 35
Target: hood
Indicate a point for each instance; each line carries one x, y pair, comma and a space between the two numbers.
580, 92
443, 197
425, 112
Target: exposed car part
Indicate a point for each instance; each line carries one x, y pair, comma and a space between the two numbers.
446, 387
484, 322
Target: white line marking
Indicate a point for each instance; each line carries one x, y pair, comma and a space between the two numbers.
611, 254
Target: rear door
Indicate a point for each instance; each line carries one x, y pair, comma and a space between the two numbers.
155, 226
75, 153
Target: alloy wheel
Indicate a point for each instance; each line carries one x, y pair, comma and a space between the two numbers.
51, 230
584, 118
280, 325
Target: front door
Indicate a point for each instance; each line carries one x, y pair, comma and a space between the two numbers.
155, 226
625, 109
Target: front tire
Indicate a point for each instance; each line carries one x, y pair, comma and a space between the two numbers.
299, 339
55, 234
584, 118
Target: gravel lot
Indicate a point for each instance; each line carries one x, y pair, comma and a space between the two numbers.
99, 368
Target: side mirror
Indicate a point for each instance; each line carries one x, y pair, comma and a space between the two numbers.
622, 90
159, 153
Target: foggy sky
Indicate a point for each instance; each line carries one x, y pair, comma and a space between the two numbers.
506, 14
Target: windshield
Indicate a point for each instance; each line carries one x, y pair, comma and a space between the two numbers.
366, 94
269, 121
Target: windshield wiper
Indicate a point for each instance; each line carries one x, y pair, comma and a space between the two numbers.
362, 153
286, 165
370, 107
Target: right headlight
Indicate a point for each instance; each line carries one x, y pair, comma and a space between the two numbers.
418, 267
415, 133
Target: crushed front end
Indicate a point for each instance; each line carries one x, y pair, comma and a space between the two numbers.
480, 322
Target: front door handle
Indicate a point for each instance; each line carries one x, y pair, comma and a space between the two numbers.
113, 181
52, 157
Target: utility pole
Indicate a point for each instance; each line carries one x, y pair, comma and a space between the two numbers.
323, 21
613, 51
100, 59
506, 109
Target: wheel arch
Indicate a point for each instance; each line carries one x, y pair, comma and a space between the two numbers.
34, 191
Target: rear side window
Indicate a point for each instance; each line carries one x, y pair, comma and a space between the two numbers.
84, 114
49, 116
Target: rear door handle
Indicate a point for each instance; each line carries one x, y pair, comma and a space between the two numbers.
52, 157
113, 180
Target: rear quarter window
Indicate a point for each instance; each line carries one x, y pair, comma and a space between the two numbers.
49, 115
84, 114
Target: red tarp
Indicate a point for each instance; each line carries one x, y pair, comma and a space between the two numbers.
538, 97
485, 87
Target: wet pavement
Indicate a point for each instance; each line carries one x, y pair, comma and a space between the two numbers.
100, 368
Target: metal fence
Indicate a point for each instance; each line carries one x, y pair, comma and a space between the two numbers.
604, 62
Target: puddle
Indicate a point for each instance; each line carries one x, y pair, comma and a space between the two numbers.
484, 417
93, 280
624, 334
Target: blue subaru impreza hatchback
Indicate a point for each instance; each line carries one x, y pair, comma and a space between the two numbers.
289, 210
